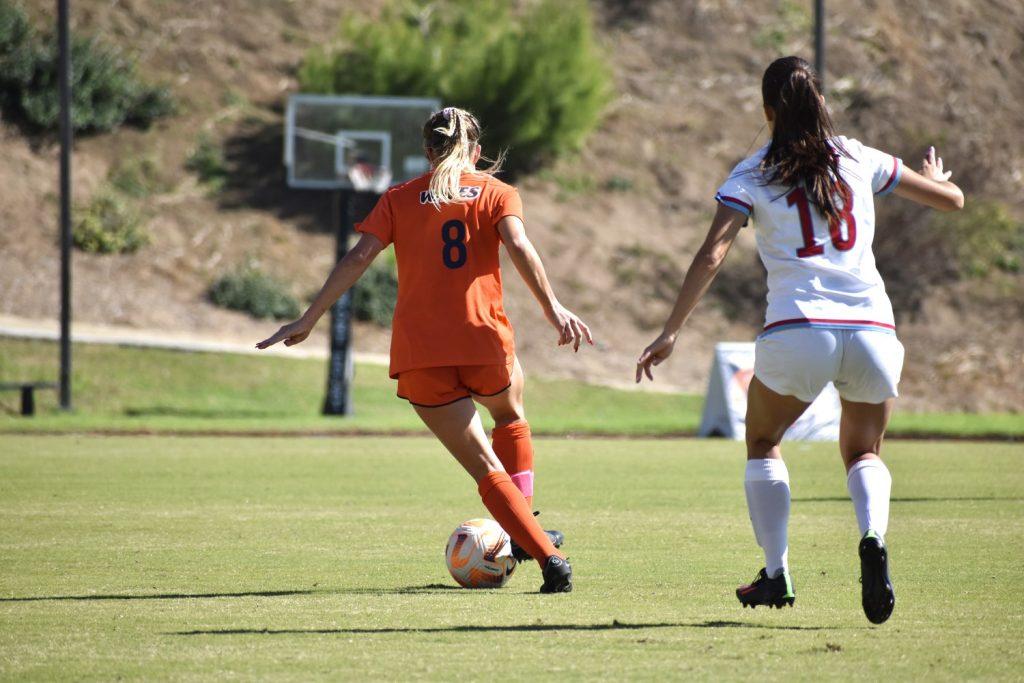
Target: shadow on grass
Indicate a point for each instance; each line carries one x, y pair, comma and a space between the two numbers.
923, 499
403, 590
161, 596
213, 413
503, 628
399, 590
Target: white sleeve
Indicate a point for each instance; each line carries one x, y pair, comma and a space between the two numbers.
737, 191
885, 169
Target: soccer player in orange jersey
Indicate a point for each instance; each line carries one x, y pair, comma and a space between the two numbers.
451, 342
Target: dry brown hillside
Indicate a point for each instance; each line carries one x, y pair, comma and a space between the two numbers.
616, 224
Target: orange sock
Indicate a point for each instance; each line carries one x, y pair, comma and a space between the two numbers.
506, 503
514, 448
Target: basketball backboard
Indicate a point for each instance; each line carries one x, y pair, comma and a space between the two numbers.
355, 142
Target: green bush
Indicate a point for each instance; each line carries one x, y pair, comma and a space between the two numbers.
19, 48
256, 293
984, 238
534, 77
108, 225
106, 91
374, 296
139, 177
207, 161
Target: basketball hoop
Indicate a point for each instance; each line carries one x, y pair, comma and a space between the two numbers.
367, 177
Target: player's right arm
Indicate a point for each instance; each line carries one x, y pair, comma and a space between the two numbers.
725, 226
930, 187
571, 330
345, 274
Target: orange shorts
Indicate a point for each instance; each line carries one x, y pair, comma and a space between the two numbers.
435, 387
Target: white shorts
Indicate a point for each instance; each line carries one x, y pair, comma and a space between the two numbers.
864, 365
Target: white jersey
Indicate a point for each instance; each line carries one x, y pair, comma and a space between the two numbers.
817, 276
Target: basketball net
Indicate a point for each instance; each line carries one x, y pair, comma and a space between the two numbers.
367, 177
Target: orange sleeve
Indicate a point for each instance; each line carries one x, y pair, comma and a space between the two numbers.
381, 221
508, 203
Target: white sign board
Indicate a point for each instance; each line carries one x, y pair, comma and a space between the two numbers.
725, 406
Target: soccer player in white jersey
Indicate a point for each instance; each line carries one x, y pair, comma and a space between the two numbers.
811, 196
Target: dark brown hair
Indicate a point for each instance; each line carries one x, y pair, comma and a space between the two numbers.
802, 152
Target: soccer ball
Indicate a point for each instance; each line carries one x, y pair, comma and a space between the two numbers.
479, 554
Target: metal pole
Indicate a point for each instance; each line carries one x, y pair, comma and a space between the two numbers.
819, 40
340, 371
64, 68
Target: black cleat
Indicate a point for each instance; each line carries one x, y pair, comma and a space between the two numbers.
776, 592
557, 576
877, 595
557, 538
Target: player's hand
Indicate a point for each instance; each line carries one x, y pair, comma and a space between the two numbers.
658, 351
571, 330
931, 167
291, 334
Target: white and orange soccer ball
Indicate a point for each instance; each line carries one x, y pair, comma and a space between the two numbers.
479, 554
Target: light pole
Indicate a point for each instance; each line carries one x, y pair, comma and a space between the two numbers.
819, 40
64, 69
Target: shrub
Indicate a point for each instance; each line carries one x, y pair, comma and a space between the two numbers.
984, 238
256, 293
138, 177
792, 19
534, 77
109, 226
374, 296
19, 49
207, 161
106, 91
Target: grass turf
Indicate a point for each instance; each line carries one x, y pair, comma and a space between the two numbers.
314, 558
120, 388
129, 389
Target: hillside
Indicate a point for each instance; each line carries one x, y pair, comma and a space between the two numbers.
616, 224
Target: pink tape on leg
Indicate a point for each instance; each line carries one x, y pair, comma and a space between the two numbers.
524, 482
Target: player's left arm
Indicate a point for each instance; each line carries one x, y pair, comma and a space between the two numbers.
345, 274
571, 330
931, 187
706, 263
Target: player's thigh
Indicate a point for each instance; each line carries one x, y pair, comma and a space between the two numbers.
862, 428
871, 366
797, 362
457, 426
431, 387
498, 388
769, 415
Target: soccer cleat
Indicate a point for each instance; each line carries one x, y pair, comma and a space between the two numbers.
877, 595
557, 538
557, 576
763, 590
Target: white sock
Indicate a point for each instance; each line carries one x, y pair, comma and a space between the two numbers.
869, 483
767, 486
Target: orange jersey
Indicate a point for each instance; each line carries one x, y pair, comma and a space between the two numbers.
449, 310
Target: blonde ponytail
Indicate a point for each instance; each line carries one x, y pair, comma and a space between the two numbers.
452, 136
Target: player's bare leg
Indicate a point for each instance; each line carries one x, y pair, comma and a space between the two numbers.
507, 407
769, 415
861, 430
458, 426
513, 444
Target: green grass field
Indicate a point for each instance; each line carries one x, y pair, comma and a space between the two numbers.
136, 389
125, 389
322, 558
